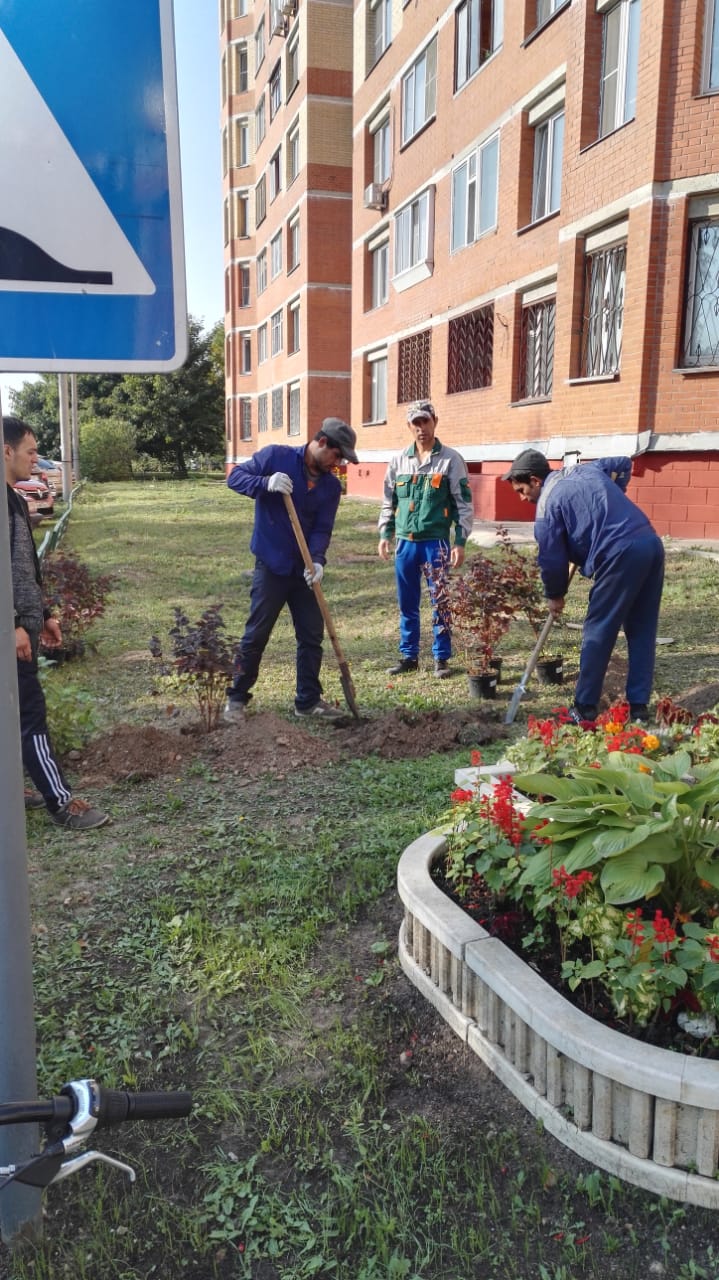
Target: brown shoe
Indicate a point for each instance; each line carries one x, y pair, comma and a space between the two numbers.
33, 799
78, 815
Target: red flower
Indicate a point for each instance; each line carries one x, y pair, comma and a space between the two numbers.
461, 795
663, 931
475, 758
713, 944
634, 926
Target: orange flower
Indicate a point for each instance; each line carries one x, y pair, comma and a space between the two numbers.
650, 742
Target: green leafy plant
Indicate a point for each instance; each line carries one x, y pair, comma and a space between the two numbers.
70, 710
202, 661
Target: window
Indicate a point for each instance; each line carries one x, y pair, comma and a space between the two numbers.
245, 353
293, 153
545, 9
262, 344
478, 33
276, 332
293, 64
275, 174
262, 412
241, 144
240, 214
604, 278
620, 56
536, 355
293, 326
701, 336
275, 90
711, 46
239, 65
419, 91
243, 282
379, 261
261, 271
414, 367
381, 151
412, 238
275, 255
260, 121
293, 409
260, 201
277, 409
245, 418
293, 243
377, 363
260, 45
474, 194
379, 30
547, 183
470, 349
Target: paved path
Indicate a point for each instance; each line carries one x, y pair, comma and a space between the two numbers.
521, 533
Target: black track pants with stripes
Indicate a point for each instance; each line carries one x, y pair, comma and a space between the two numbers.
38, 756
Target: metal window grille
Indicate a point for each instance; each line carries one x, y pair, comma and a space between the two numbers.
293, 411
603, 320
414, 367
245, 419
277, 417
470, 352
537, 350
701, 336
262, 412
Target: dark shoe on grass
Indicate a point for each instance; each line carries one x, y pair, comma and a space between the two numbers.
442, 669
403, 667
322, 711
78, 815
33, 799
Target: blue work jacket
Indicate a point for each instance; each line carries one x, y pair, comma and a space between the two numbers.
316, 500
585, 518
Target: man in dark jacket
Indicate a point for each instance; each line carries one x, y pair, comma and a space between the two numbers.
33, 624
280, 577
585, 518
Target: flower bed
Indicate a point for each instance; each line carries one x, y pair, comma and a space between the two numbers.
641, 825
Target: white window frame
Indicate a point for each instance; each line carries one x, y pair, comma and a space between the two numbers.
469, 55
414, 241
379, 30
701, 294
475, 195
545, 9
276, 333
275, 88
380, 133
261, 264
377, 361
241, 149
378, 249
419, 92
293, 152
547, 175
275, 168
293, 326
292, 71
261, 343
602, 350
293, 242
243, 285
710, 70
260, 45
240, 70
260, 120
619, 76
245, 354
276, 255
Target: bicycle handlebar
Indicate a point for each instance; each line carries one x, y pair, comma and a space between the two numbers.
108, 1107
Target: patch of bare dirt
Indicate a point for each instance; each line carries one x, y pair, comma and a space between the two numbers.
407, 735
132, 753
699, 698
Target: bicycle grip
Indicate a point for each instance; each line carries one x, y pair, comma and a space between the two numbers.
115, 1106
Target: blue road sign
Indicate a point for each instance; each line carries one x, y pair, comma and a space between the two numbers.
91, 241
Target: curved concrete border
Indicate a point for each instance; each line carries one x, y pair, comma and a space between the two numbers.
647, 1115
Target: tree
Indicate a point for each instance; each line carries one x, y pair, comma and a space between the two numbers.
38, 404
107, 449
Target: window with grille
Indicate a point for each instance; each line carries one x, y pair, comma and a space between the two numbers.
620, 60
419, 92
276, 327
277, 418
276, 255
475, 186
243, 281
260, 45
261, 343
379, 30
293, 326
260, 201
293, 243
293, 409
414, 367
547, 184
701, 329
260, 121
377, 387
379, 256
478, 33
536, 360
604, 279
275, 90
276, 174
245, 419
261, 265
470, 350
262, 412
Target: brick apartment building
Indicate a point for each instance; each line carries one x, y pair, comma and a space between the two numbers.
287, 163
534, 242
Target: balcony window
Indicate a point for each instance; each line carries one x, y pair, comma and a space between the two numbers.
478, 33
419, 92
620, 58
412, 239
475, 185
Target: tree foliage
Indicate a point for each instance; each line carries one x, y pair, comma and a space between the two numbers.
172, 416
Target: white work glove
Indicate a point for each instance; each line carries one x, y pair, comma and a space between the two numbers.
314, 574
280, 482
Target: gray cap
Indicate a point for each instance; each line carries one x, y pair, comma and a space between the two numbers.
342, 436
421, 409
528, 462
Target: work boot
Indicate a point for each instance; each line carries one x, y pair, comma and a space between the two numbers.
322, 710
234, 711
403, 667
639, 713
441, 668
78, 815
580, 714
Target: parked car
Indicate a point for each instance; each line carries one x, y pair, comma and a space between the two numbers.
49, 471
38, 495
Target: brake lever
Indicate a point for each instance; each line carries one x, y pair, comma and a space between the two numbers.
68, 1167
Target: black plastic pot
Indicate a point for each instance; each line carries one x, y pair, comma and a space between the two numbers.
551, 671
484, 686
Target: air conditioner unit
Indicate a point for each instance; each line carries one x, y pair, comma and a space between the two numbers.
279, 25
375, 197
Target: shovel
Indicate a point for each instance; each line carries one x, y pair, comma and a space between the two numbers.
521, 688
348, 688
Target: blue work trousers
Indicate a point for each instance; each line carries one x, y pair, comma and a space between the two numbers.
626, 594
269, 594
409, 561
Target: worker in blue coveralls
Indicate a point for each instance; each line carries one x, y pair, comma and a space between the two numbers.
585, 518
426, 493
280, 577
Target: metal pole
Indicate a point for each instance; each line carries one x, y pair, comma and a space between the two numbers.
75, 426
19, 1206
65, 441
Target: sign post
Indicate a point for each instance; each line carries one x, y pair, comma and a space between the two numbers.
91, 279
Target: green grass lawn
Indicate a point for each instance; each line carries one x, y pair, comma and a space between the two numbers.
236, 935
